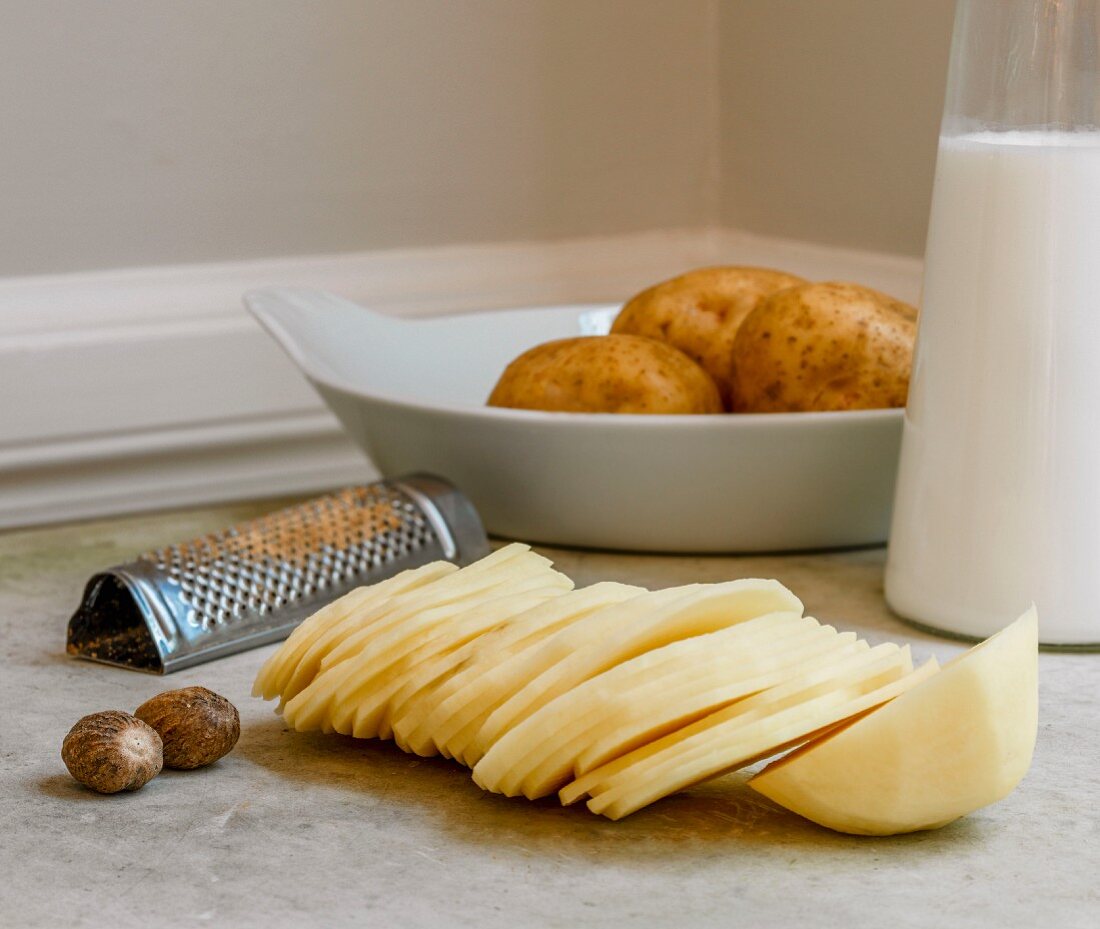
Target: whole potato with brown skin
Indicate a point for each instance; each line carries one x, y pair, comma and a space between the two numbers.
830, 346
700, 313
606, 374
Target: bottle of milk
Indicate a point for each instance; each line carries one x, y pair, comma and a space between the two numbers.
998, 498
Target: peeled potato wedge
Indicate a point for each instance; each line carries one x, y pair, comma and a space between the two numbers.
958, 742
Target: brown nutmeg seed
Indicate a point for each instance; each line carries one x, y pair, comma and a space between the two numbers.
196, 725
112, 751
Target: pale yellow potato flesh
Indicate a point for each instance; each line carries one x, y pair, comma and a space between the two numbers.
364, 678
722, 751
958, 742
556, 732
489, 571
388, 652
425, 715
652, 660
503, 682
649, 707
685, 703
309, 708
298, 659
364, 711
275, 673
630, 629
863, 664
754, 741
657, 713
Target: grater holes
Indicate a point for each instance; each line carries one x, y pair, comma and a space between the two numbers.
327, 545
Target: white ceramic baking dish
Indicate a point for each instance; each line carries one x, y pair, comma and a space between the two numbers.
412, 394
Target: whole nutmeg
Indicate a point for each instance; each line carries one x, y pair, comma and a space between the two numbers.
112, 751
196, 725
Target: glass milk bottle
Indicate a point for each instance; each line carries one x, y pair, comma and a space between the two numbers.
998, 498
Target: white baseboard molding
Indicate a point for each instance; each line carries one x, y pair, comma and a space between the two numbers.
123, 391
210, 468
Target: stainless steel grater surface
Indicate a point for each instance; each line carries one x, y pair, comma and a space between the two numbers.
253, 583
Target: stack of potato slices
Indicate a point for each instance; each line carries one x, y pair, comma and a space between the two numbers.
610, 692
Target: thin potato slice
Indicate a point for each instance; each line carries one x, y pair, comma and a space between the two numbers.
435, 711
551, 735
656, 712
341, 644
504, 564
684, 704
388, 653
309, 708
504, 682
625, 631
368, 706
758, 740
300, 655
737, 742
805, 686
627, 715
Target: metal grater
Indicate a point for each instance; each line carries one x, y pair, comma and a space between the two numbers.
253, 583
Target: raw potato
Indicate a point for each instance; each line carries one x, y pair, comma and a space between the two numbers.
312, 707
700, 312
813, 681
649, 696
637, 694
746, 735
606, 374
682, 704
759, 740
296, 663
472, 689
637, 626
958, 742
367, 704
829, 346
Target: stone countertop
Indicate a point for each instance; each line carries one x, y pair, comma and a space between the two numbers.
313, 830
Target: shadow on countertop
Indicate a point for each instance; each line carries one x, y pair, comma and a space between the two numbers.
724, 816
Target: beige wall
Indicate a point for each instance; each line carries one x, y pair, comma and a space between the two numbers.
830, 113
156, 131
160, 131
